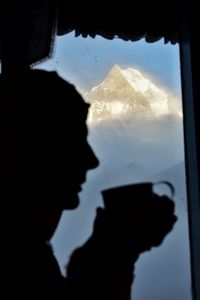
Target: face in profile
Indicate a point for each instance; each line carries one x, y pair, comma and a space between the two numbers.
73, 159
54, 152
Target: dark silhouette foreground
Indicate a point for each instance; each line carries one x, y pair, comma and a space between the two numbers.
41, 176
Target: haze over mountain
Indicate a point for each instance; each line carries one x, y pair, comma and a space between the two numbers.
129, 92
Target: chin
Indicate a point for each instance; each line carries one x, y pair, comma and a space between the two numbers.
71, 202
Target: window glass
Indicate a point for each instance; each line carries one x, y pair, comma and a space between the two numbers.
136, 130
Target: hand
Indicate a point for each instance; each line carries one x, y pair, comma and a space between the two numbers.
148, 226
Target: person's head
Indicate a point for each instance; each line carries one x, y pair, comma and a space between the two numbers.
53, 154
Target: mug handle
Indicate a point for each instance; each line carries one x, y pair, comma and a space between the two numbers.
169, 184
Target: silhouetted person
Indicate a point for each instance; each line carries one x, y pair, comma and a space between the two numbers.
48, 125
47, 119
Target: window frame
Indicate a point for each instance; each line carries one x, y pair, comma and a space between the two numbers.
190, 91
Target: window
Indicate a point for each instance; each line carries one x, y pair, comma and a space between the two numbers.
136, 130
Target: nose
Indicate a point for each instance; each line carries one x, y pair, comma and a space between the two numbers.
92, 160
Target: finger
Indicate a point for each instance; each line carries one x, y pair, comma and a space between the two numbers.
163, 205
99, 210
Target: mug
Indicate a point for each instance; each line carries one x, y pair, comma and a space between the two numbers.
132, 195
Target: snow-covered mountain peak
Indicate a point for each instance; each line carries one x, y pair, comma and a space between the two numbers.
136, 79
127, 92
116, 69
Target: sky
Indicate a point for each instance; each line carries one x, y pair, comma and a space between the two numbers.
86, 61
127, 155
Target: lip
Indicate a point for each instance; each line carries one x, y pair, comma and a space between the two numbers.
79, 188
80, 185
82, 180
